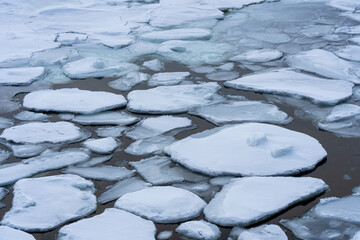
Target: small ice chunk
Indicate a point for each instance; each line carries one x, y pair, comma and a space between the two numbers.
42, 132
350, 52
162, 204
112, 224
297, 85
42, 204
73, 100
227, 66
199, 230
242, 111
245, 201
220, 181
71, 38
10, 173
164, 235
222, 75
110, 131
258, 56
20, 76
167, 78
4, 155
173, 99
105, 118
154, 65
343, 111
5, 122
202, 69
151, 127
101, 145
145, 146
31, 116
243, 153
263, 232
27, 150
324, 63
121, 188
158, 171
104, 173
95, 161
177, 34
127, 82
7, 233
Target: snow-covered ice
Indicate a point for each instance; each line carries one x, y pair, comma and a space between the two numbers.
43, 132
248, 149
27, 150
114, 132
127, 82
71, 38
343, 111
263, 232
5, 122
73, 100
10, 173
106, 173
164, 235
42, 204
101, 145
162, 204
105, 118
154, 65
297, 85
167, 78
222, 75
172, 99
245, 201
324, 63
242, 111
4, 155
154, 126
121, 188
177, 34
7, 233
95, 161
350, 52
199, 230
112, 224
20, 76
145, 146
258, 56
31, 116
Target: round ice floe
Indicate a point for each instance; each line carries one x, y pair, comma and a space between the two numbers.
113, 224
42, 204
263, 232
41, 132
7, 233
162, 204
258, 56
248, 149
19, 76
102, 145
199, 230
245, 201
73, 100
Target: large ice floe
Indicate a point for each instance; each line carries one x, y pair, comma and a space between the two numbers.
248, 149
199, 230
44, 132
258, 56
10, 173
7, 233
42, 204
112, 224
73, 100
172, 99
162, 204
19, 76
245, 201
242, 111
294, 84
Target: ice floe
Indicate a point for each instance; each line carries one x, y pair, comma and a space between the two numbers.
167, 78
110, 131
3, 193
245, 201
101, 145
343, 111
177, 34
105, 118
127, 82
71, 38
199, 230
20, 76
27, 150
145, 146
31, 116
111, 224
151, 127
4, 155
73, 100
222, 75
42, 204
258, 56
172, 99
43, 132
263, 232
162, 204
324, 63
106, 173
12, 172
5, 122
7, 233
242, 111
297, 85
164, 235
350, 52
154, 65
248, 149
95, 161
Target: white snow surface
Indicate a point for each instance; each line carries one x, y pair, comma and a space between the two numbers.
245, 201
107, 173
162, 204
199, 230
248, 149
101, 145
42, 204
263, 232
113, 224
20, 76
73, 100
258, 56
297, 85
350, 52
343, 111
7, 233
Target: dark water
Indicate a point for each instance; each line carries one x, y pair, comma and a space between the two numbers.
343, 153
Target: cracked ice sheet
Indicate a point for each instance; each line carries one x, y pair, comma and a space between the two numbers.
263, 232
245, 201
113, 224
258, 56
297, 85
104, 173
20, 76
73, 100
173, 99
10, 173
242, 111
162, 204
42, 204
248, 149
